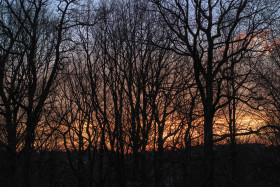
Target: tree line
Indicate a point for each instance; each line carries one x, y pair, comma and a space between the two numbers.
118, 85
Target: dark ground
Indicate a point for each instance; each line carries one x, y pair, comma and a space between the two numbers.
256, 165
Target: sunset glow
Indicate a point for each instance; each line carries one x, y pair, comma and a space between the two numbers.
127, 93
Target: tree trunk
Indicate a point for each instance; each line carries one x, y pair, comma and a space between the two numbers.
28, 147
208, 148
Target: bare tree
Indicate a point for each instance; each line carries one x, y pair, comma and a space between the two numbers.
205, 31
29, 65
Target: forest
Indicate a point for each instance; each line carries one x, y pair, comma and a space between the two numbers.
143, 93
